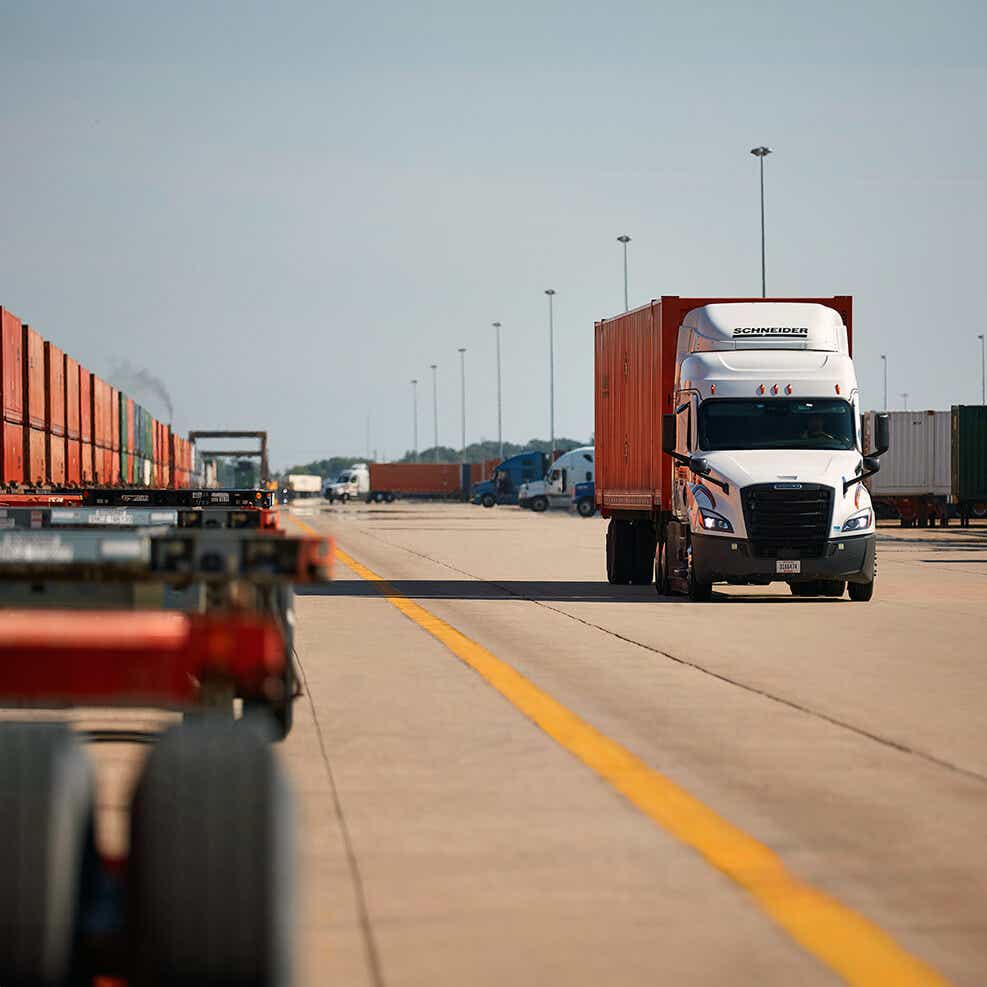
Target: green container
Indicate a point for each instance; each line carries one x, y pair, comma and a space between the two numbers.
969, 460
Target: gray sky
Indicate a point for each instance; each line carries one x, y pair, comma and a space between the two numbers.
287, 211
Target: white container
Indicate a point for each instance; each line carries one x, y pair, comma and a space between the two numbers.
918, 462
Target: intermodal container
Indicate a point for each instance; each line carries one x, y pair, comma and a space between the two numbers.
102, 413
12, 367
104, 465
12, 451
128, 439
55, 449
86, 465
54, 389
115, 467
634, 380
114, 419
35, 459
918, 462
417, 479
969, 442
73, 462
85, 406
34, 377
72, 409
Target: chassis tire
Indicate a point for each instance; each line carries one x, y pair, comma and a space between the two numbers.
699, 592
834, 588
47, 853
210, 871
861, 592
388, 498
585, 508
617, 553
645, 543
539, 504
663, 586
488, 500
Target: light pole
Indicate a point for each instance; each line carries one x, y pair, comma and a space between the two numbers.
904, 397
414, 399
500, 422
983, 370
884, 358
435, 411
625, 239
551, 373
462, 377
761, 153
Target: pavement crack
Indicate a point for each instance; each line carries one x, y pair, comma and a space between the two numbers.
702, 669
374, 967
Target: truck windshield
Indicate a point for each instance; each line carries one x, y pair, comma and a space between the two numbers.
782, 423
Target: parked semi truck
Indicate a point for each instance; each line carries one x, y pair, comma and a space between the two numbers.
729, 446
508, 477
555, 488
351, 483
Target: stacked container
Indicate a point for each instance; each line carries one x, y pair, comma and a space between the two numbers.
86, 424
12, 386
55, 413
35, 445
73, 450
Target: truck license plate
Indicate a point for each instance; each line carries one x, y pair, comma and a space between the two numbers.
788, 566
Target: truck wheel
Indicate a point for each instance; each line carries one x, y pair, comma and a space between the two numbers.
388, 498
619, 548
343, 498
662, 584
645, 543
699, 592
210, 870
585, 508
488, 500
833, 587
861, 592
539, 504
47, 854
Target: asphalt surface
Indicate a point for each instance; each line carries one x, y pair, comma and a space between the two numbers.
460, 824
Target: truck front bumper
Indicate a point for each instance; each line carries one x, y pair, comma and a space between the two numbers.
719, 558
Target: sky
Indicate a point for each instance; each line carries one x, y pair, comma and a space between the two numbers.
286, 212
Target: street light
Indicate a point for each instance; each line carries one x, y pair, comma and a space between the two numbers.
983, 371
904, 397
414, 399
435, 411
551, 373
625, 240
500, 423
761, 153
462, 374
884, 357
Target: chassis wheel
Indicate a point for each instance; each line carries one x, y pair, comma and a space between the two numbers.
210, 862
585, 508
488, 500
539, 504
861, 592
699, 592
46, 851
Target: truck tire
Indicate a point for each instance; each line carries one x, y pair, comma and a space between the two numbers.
388, 498
861, 592
47, 854
488, 500
344, 498
619, 552
833, 588
539, 504
663, 585
645, 543
210, 870
699, 592
585, 508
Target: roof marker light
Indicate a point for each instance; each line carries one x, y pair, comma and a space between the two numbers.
760, 390
788, 388
774, 389
712, 388
837, 388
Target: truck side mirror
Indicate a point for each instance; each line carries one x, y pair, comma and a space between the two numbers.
882, 434
872, 464
668, 433
699, 465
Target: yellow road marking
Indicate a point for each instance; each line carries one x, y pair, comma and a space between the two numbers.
848, 943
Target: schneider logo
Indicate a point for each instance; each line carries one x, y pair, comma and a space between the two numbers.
771, 331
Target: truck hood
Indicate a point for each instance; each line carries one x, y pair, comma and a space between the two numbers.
748, 466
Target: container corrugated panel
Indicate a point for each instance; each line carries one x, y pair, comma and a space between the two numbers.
56, 458
114, 419
85, 405
11, 367
422, 479
35, 460
73, 461
72, 410
130, 425
918, 462
115, 467
34, 378
103, 465
12, 450
102, 413
86, 465
54, 389
969, 442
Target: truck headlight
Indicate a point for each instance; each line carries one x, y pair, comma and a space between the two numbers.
714, 522
858, 522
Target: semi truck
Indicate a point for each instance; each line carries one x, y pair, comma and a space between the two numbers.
555, 488
508, 477
730, 447
351, 483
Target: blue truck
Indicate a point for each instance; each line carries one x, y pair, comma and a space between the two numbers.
503, 486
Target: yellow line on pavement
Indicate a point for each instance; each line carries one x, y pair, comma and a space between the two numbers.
848, 943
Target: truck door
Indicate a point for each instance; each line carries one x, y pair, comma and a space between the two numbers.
686, 415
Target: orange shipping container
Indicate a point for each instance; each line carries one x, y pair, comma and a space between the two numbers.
56, 458
417, 479
102, 413
73, 461
85, 405
11, 367
35, 463
114, 419
12, 450
115, 467
54, 389
86, 464
71, 398
130, 425
34, 377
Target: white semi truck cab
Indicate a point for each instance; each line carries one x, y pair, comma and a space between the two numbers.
555, 490
349, 485
767, 450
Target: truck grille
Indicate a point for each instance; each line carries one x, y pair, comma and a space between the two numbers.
787, 520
